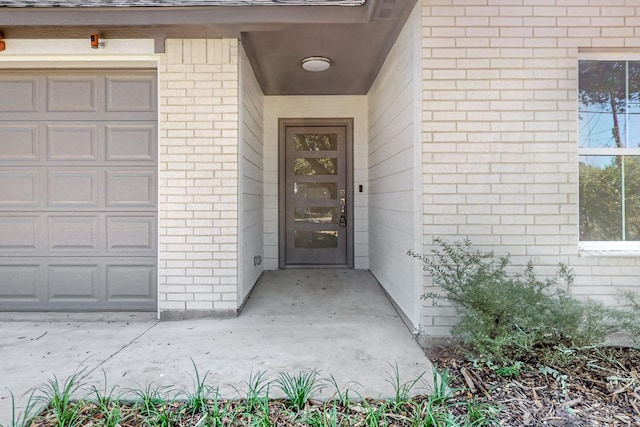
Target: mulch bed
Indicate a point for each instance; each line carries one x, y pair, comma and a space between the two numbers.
594, 387
599, 387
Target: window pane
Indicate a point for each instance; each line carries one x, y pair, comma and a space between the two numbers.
602, 95
631, 129
315, 190
312, 166
316, 239
632, 197
316, 141
601, 198
316, 215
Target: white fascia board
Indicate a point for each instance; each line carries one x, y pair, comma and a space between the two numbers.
65, 53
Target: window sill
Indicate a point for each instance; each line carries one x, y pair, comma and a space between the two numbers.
602, 252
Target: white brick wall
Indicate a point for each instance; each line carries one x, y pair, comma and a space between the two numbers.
500, 130
198, 178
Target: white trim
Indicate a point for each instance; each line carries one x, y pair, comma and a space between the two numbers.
158, 105
61, 62
418, 239
614, 248
628, 55
240, 183
609, 151
56, 48
609, 253
77, 53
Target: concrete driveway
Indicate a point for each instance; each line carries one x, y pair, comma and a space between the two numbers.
336, 321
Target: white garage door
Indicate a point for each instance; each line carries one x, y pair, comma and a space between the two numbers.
78, 203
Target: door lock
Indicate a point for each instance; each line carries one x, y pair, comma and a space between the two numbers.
343, 208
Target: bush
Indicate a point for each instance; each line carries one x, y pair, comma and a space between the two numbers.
509, 318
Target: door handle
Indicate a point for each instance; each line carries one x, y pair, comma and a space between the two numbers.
343, 208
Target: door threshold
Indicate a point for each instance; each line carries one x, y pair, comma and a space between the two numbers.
311, 266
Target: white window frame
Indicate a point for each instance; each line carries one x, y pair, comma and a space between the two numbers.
603, 248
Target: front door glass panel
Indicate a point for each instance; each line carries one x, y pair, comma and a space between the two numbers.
316, 141
315, 190
316, 239
316, 215
315, 166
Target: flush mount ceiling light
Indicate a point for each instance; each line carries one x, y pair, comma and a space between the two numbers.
316, 63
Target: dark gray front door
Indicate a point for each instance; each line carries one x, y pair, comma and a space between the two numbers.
315, 193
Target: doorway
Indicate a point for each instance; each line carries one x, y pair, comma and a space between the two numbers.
316, 192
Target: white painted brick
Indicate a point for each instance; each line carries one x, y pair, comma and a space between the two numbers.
194, 104
438, 21
532, 127
199, 305
170, 305
224, 305
573, 21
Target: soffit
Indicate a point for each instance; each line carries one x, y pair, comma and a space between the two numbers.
276, 36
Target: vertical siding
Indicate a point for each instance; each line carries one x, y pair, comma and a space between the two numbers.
500, 131
198, 178
394, 185
252, 177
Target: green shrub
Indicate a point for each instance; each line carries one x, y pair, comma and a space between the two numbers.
508, 317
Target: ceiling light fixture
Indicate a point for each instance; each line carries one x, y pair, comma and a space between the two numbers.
316, 63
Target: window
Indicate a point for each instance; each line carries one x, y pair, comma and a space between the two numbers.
609, 151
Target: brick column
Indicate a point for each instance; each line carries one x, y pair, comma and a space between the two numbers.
198, 179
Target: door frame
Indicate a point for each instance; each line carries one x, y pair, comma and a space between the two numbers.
347, 123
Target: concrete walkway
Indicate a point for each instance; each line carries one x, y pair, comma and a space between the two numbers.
336, 321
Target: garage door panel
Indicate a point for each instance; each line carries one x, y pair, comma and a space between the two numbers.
19, 143
131, 282
73, 188
131, 188
74, 233
130, 93
19, 282
78, 234
20, 189
78, 284
72, 142
72, 94
131, 233
127, 143
73, 282
20, 234
78, 196
19, 94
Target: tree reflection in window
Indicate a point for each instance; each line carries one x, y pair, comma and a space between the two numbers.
311, 166
316, 141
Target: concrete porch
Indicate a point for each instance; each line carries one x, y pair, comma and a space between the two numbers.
339, 322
